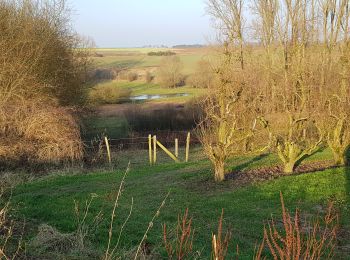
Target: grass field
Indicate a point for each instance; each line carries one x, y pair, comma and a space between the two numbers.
141, 88
51, 200
116, 126
137, 58
247, 207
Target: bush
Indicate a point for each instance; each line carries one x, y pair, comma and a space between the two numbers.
39, 133
161, 53
149, 77
168, 118
123, 75
132, 76
170, 72
203, 77
108, 94
43, 68
104, 74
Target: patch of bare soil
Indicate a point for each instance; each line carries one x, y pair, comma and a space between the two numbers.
238, 179
273, 172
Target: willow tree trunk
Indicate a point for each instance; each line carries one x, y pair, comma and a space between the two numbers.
289, 167
339, 158
219, 171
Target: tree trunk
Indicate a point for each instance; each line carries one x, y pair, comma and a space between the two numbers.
219, 171
289, 167
339, 158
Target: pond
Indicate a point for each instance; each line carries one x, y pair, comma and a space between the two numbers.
152, 97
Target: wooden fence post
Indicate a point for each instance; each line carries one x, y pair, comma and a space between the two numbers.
188, 145
154, 149
108, 151
177, 148
150, 149
167, 152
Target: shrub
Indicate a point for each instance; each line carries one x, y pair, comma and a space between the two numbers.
292, 238
39, 133
37, 46
9, 247
182, 247
161, 53
203, 77
104, 74
169, 73
298, 240
168, 118
149, 77
123, 75
42, 69
108, 94
132, 76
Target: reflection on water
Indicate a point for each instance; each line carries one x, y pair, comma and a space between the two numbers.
152, 97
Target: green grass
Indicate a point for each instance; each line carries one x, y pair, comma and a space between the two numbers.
141, 88
117, 126
113, 127
51, 200
137, 58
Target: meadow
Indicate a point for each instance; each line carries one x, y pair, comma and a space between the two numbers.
80, 201
137, 58
247, 207
110, 119
235, 151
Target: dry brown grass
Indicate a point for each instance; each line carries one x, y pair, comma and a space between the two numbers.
35, 132
9, 249
42, 69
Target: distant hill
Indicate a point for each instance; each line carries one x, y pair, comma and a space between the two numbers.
188, 46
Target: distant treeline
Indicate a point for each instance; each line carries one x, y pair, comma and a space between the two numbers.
186, 46
161, 53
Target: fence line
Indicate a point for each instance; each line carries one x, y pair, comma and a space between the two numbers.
141, 142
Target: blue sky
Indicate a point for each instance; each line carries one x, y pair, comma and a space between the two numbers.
134, 23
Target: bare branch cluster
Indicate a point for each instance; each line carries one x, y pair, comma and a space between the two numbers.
43, 68
294, 81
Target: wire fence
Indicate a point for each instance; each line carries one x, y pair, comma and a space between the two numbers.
140, 140
136, 148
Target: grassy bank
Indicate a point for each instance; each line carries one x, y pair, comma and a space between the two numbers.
51, 200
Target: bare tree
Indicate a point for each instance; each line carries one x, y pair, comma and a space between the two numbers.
225, 127
265, 30
229, 16
298, 138
203, 76
169, 73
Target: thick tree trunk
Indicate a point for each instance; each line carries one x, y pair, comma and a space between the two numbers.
219, 171
339, 158
289, 167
